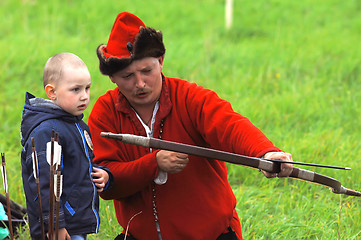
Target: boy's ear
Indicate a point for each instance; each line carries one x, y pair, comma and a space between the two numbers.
50, 91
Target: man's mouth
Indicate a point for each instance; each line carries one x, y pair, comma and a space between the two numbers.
142, 94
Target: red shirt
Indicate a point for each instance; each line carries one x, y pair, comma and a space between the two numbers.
197, 203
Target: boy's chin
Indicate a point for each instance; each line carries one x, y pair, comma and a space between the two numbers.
76, 113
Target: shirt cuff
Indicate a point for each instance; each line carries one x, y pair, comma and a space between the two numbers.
161, 178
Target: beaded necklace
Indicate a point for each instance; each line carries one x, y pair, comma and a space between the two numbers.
155, 212
149, 130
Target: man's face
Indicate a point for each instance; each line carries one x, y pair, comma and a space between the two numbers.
141, 82
72, 91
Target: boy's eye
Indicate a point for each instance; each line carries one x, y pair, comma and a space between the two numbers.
75, 89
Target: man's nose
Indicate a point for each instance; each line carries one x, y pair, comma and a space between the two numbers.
139, 82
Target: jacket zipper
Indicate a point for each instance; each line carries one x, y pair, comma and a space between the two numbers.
91, 178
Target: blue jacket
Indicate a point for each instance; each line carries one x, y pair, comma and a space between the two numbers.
79, 200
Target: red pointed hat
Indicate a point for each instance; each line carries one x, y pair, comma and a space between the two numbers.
129, 40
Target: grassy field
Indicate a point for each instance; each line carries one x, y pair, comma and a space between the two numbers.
292, 67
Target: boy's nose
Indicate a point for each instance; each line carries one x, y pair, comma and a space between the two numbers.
85, 95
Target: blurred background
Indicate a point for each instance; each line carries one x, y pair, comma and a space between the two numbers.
292, 67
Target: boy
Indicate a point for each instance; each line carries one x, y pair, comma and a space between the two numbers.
67, 83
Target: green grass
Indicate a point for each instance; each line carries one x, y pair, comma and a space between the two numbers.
292, 67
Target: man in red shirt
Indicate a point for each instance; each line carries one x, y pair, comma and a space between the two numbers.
160, 194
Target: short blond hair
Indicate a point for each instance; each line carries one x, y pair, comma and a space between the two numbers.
54, 67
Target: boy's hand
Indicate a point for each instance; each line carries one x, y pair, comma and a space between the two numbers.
100, 178
62, 234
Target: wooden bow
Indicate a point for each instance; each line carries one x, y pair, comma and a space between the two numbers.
258, 163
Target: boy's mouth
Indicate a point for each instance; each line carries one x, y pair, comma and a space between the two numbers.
82, 107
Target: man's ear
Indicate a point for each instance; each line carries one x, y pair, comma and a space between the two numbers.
50, 91
161, 60
111, 78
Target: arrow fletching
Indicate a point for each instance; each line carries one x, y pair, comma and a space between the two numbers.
3, 171
58, 186
57, 153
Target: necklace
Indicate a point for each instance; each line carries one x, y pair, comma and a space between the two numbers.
147, 123
154, 203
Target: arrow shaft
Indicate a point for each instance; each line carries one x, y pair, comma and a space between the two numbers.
205, 152
37, 180
309, 164
7, 196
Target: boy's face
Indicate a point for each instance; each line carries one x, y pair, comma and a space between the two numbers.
72, 91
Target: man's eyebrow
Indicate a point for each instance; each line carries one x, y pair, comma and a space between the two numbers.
125, 73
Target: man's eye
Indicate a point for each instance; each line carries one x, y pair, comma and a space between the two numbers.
128, 76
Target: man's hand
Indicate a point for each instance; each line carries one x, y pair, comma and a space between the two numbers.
286, 168
171, 162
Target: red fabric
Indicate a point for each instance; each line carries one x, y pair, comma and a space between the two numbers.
126, 26
197, 203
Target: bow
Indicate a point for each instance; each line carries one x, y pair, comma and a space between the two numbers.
258, 163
